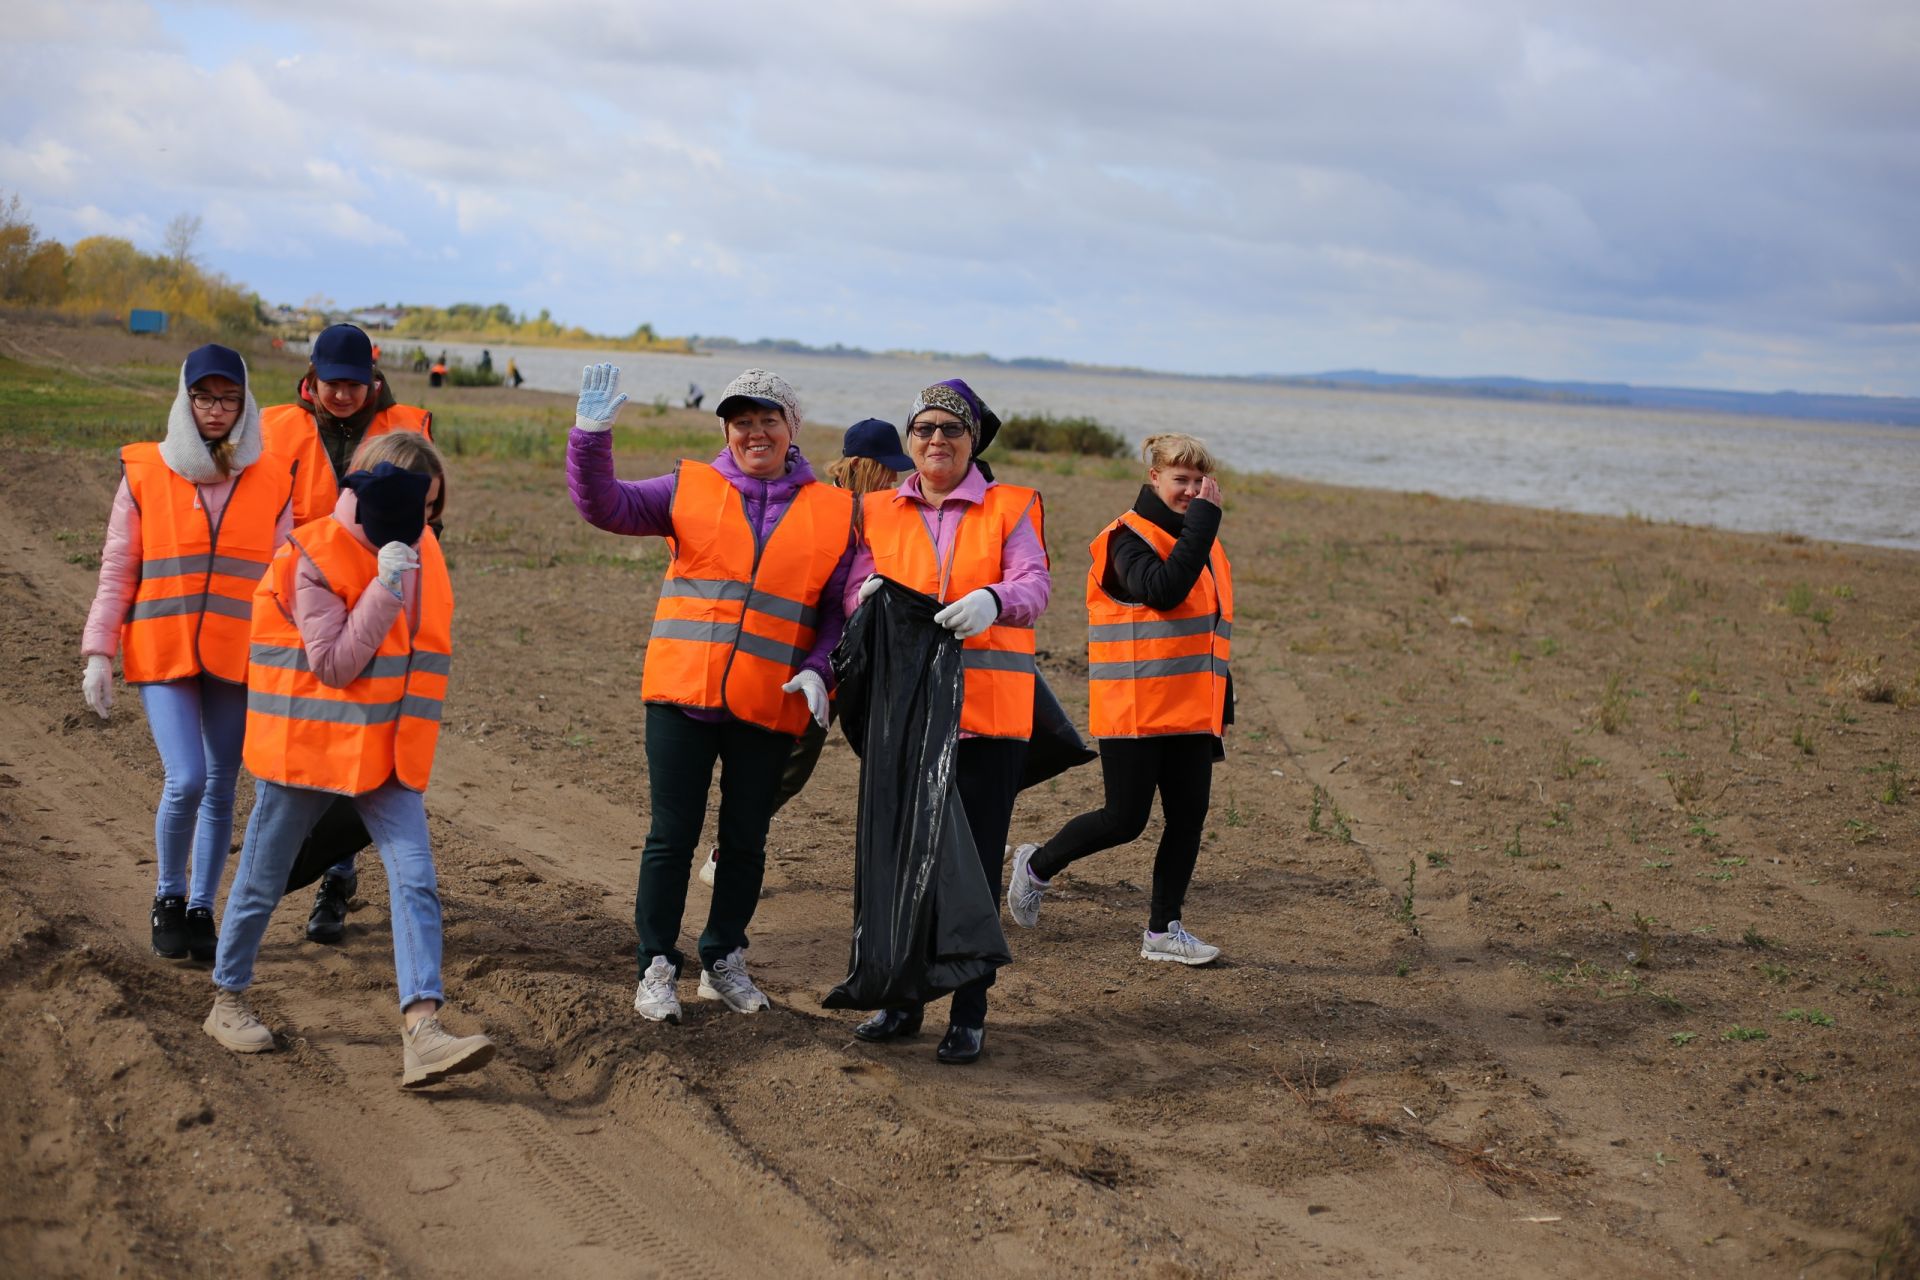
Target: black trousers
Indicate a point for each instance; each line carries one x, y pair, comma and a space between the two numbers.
987, 774
681, 754
1180, 767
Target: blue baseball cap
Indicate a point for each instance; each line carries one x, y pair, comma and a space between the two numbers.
873, 438
343, 353
214, 360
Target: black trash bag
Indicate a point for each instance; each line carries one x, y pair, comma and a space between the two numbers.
1057, 745
925, 920
339, 834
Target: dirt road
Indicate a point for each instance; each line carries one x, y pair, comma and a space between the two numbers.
1533, 827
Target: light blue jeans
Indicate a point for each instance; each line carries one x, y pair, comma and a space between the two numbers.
282, 817
199, 725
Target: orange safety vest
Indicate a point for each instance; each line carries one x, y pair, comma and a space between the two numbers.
1153, 671
997, 665
386, 723
290, 431
737, 617
197, 576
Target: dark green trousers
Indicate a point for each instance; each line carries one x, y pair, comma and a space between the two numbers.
681, 753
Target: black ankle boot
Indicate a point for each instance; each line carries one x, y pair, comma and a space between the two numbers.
328, 921
961, 1045
170, 928
202, 937
889, 1024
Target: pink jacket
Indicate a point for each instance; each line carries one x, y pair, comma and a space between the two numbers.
120, 564
1025, 584
340, 642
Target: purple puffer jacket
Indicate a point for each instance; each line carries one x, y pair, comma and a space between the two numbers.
644, 508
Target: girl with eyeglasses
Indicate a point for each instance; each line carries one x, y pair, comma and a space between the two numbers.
196, 519
954, 532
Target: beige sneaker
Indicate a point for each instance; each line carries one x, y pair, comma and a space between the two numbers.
432, 1054
234, 1026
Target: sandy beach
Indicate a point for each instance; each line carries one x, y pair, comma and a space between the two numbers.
1564, 867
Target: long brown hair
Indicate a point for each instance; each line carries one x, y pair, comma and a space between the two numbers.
862, 475
410, 451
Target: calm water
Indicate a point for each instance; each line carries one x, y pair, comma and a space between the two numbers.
1842, 481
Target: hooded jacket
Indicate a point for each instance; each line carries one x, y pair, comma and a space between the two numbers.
188, 457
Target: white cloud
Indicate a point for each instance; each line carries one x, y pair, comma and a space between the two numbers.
1419, 185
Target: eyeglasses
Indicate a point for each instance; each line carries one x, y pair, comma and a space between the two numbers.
201, 400
947, 430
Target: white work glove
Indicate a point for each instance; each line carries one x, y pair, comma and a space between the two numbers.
871, 585
971, 614
810, 686
395, 559
600, 400
97, 685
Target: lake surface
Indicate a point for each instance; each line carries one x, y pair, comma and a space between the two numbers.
1843, 481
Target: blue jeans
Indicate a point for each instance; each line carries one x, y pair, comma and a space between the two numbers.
282, 817
198, 724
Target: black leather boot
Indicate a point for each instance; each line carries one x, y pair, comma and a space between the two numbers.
890, 1024
328, 921
961, 1045
201, 934
170, 928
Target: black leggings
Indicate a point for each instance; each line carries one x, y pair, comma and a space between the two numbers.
1180, 767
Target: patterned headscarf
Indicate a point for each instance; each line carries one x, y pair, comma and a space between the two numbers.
958, 399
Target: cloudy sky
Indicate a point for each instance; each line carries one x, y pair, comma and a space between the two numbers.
1715, 192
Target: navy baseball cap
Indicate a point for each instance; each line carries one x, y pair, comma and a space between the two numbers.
214, 360
343, 353
873, 438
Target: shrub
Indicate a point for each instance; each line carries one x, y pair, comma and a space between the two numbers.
1044, 433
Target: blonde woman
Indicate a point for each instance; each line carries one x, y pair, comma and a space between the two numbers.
1160, 626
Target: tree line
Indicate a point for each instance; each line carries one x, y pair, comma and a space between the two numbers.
109, 275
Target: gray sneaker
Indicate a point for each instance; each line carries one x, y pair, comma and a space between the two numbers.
710, 867
1024, 889
432, 1053
656, 1000
234, 1026
1177, 945
728, 981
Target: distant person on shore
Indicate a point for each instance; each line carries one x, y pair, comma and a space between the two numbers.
955, 533
736, 665
352, 641
1160, 627
870, 460
340, 403
437, 375
376, 353
195, 520
486, 361
694, 395
513, 373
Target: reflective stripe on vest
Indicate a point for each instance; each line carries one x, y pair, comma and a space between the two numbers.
290, 431
386, 722
738, 615
190, 612
997, 665
1153, 672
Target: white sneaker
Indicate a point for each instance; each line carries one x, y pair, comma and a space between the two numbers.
234, 1026
711, 867
1177, 945
655, 999
728, 981
1024, 889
